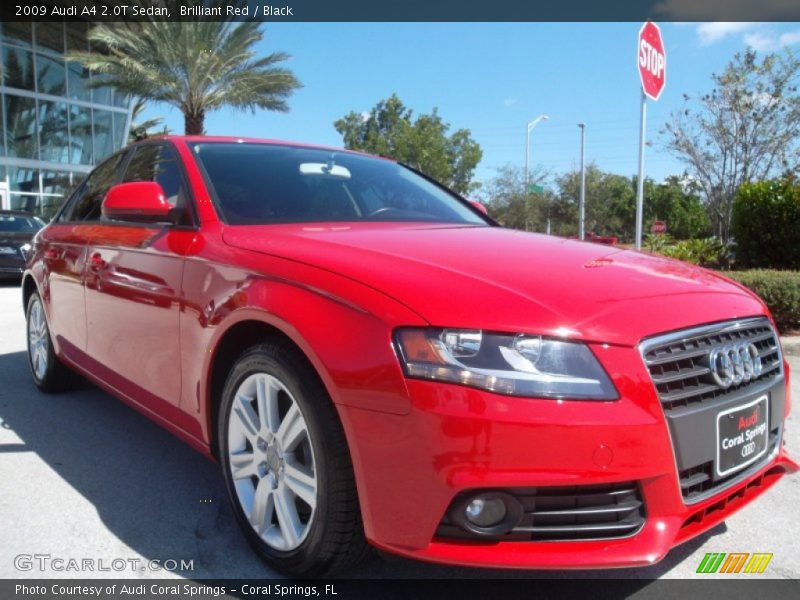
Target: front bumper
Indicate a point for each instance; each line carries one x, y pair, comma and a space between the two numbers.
410, 467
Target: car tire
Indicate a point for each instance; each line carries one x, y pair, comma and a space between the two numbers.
49, 374
287, 466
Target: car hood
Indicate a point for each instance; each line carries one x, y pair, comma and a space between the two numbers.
505, 280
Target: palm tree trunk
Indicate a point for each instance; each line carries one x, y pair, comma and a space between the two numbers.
193, 122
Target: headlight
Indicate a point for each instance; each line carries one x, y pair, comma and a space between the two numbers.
518, 365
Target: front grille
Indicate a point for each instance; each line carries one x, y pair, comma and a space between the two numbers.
586, 512
679, 363
680, 367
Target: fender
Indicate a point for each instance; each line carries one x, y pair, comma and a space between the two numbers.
347, 344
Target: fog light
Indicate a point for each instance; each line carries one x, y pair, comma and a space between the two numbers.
486, 512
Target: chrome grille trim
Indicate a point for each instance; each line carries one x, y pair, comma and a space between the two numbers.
678, 362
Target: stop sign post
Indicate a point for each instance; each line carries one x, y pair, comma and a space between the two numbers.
651, 59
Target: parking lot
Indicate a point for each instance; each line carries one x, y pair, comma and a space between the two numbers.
86, 477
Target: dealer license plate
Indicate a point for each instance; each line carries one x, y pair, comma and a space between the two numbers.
742, 435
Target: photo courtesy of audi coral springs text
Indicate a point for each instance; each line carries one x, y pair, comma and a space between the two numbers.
376, 363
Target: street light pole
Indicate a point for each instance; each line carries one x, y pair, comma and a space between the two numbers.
582, 216
531, 125
640, 181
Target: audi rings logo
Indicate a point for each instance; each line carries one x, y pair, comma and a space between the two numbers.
734, 364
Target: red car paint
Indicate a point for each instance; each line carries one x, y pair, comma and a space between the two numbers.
142, 309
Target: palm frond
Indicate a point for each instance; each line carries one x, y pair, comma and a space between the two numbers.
196, 66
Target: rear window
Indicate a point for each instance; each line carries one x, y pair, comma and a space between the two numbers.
265, 183
20, 223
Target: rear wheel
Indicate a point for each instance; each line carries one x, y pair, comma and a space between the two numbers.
49, 374
287, 466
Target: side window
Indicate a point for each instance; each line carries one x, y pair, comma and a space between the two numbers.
158, 163
86, 205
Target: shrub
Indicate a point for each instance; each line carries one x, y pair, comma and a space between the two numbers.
780, 290
656, 242
707, 252
766, 224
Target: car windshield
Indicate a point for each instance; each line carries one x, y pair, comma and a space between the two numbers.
19, 223
267, 183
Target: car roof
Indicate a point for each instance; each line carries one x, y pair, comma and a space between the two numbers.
249, 140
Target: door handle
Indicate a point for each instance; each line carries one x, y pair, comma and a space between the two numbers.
97, 263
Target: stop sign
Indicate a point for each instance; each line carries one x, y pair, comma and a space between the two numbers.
652, 60
658, 227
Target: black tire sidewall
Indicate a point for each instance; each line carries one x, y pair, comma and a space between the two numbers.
265, 359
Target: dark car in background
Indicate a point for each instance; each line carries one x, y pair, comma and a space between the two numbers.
16, 233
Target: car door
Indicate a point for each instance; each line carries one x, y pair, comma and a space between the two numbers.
133, 279
63, 252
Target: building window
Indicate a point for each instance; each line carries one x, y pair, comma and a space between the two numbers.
78, 82
56, 182
77, 36
18, 68
53, 131
55, 127
103, 134
2, 137
51, 76
25, 202
50, 36
80, 126
18, 33
21, 127
21, 179
119, 129
121, 100
101, 95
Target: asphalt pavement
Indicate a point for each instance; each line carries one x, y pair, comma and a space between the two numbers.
84, 477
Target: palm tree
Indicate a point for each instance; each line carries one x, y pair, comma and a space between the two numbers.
143, 129
197, 67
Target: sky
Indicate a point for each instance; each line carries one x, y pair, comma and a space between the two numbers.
492, 78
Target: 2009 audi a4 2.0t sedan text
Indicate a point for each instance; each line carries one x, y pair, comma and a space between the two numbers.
373, 361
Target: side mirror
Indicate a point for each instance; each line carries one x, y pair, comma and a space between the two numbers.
479, 206
141, 201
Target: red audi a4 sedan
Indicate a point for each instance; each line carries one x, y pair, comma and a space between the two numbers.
373, 361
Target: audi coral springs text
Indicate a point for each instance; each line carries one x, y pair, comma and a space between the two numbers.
372, 360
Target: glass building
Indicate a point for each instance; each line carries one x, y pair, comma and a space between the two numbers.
53, 126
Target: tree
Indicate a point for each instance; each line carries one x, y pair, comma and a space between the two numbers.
610, 202
510, 205
195, 66
141, 130
677, 202
422, 143
611, 205
745, 129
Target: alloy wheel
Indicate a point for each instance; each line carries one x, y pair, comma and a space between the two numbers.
271, 460
38, 339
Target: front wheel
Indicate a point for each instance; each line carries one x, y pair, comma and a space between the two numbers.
49, 374
287, 466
